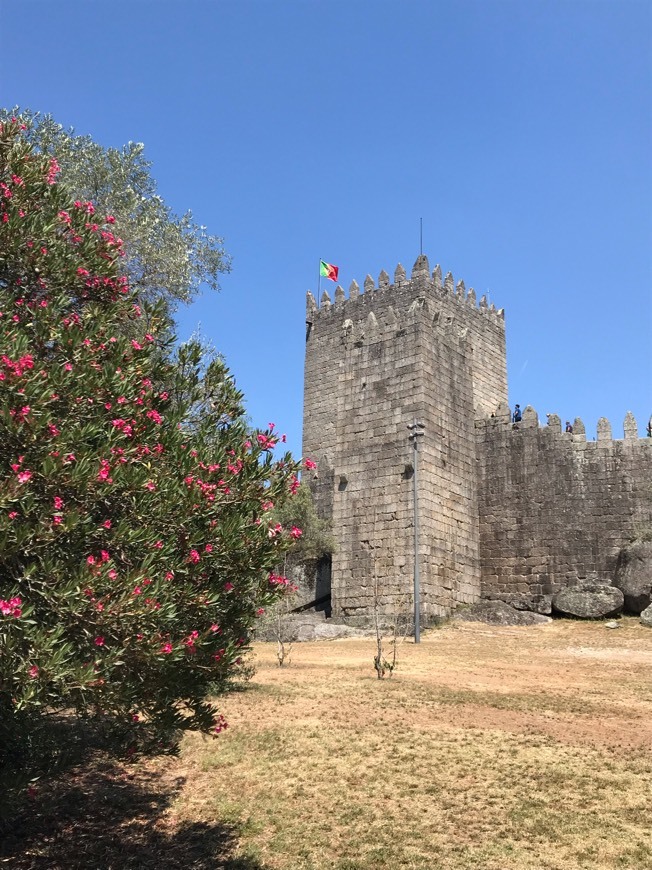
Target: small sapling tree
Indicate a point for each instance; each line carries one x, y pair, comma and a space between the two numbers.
135, 549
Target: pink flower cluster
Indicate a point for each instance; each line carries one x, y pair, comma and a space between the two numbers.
18, 368
53, 170
267, 442
220, 724
279, 580
105, 471
12, 607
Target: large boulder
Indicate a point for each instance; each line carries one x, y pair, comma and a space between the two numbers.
646, 617
499, 613
634, 576
590, 599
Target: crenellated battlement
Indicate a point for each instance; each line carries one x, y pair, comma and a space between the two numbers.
501, 421
403, 292
505, 509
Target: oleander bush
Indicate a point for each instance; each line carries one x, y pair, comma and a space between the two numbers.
136, 550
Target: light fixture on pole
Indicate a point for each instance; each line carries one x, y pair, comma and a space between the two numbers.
416, 431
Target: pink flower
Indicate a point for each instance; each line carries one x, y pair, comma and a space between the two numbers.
208, 548
33, 672
310, 464
112, 574
158, 545
107, 524
12, 515
194, 557
58, 503
53, 170
24, 476
228, 587
70, 457
166, 649
12, 607
295, 533
105, 470
150, 485
215, 627
53, 430
57, 519
90, 560
220, 724
99, 641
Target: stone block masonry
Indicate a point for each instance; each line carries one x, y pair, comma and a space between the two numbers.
418, 348
504, 511
554, 507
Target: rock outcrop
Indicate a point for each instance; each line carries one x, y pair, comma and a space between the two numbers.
646, 617
634, 576
308, 626
590, 599
499, 613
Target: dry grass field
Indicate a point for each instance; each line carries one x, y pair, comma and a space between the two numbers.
519, 748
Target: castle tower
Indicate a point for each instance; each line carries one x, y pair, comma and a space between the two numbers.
419, 348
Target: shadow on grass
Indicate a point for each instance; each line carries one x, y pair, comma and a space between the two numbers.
113, 817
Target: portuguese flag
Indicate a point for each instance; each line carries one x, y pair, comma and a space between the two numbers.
327, 270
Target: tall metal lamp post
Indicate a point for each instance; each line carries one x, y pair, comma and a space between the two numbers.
416, 431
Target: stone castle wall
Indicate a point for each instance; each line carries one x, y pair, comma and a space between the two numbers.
417, 348
503, 510
555, 507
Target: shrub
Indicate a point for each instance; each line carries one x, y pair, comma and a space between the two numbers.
135, 552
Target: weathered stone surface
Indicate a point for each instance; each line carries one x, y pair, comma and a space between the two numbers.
308, 626
499, 613
634, 576
589, 600
523, 601
646, 617
364, 384
556, 508
524, 510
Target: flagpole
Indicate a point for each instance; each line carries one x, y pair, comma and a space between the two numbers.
319, 284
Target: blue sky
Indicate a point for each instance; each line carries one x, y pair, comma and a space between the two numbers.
519, 131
